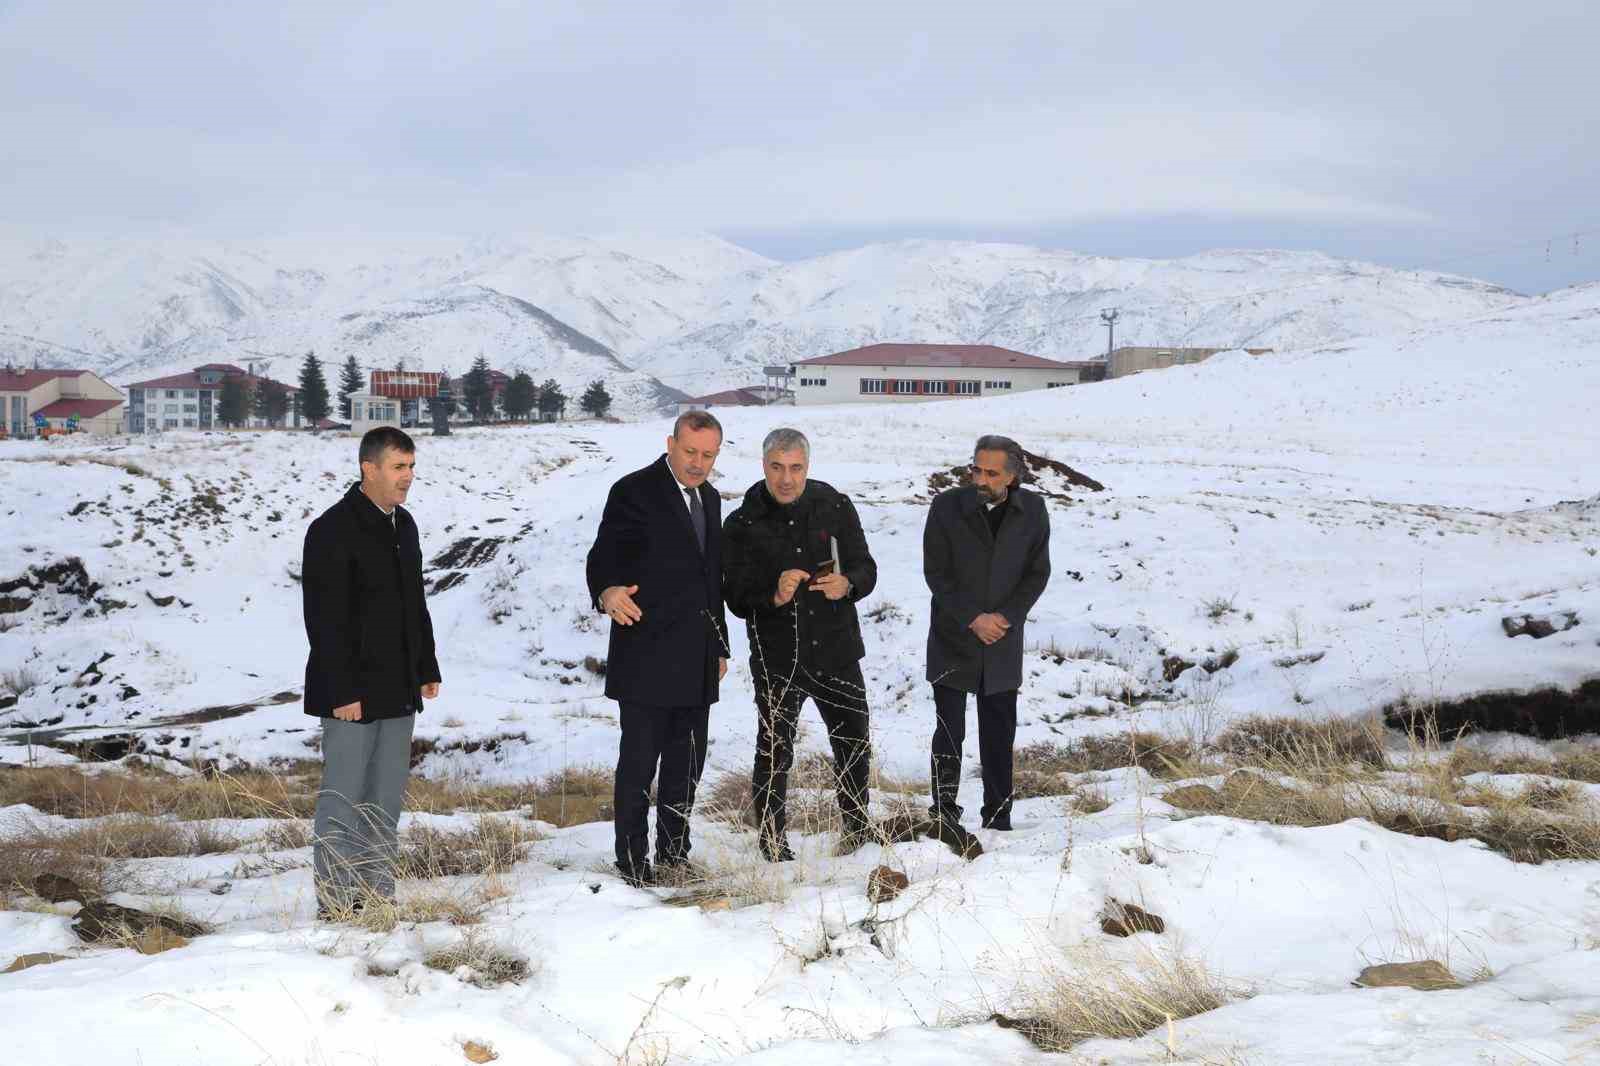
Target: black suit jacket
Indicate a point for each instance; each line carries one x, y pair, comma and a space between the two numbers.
669, 657
970, 571
371, 637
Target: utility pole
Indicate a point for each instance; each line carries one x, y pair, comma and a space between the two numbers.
1109, 317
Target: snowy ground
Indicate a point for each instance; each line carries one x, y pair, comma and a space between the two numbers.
1353, 523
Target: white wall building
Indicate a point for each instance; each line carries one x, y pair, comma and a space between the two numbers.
919, 372
369, 410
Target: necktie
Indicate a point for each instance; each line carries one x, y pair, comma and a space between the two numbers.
697, 517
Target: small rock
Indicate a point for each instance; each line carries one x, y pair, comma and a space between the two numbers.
1538, 626
885, 883
1173, 666
476, 1052
34, 958
1425, 976
1126, 919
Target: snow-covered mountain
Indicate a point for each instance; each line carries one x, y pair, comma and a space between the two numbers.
651, 315
1049, 303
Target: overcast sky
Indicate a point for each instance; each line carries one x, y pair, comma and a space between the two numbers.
1456, 135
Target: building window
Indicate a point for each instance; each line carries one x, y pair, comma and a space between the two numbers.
937, 388
968, 388
1059, 384
172, 409
172, 394
188, 423
169, 423
905, 388
872, 386
189, 408
814, 382
188, 394
997, 384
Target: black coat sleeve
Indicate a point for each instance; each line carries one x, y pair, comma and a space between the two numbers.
1035, 574
618, 544
747, 588
331, 625
854, 557
939, 566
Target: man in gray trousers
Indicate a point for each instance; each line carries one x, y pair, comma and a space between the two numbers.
372, 663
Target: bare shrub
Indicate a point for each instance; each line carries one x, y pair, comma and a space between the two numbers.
1157, 755
21, 681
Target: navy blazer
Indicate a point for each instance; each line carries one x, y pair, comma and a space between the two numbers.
669, 657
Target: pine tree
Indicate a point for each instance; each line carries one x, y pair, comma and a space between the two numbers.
596, 400
521, 397
552, 401
233, 406
313, 398
271, 401
478, 391
350, 380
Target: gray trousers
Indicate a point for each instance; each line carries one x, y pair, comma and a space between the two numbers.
364, 767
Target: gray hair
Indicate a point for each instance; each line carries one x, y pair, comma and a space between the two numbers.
993, 442
696, 420
785, 439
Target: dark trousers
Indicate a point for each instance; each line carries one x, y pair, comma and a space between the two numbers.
672, 739
997, 730
841, 701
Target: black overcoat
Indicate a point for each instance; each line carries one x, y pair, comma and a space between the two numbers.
669, 657
971, 572
365, 612
761, 540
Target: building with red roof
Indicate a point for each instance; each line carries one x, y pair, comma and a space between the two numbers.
908, 372
190, 401
78, 400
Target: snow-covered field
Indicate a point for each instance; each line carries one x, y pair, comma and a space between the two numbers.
1351, 523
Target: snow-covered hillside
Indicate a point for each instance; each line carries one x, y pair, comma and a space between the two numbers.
1312, 534
694, 314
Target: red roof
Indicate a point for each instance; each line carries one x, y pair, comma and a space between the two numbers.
226, 368
971, 356
80, 407
730, 398
405, 384
17, 379
192, 380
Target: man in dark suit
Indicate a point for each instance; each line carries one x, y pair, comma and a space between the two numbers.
779, 574
656, 571
986, 558
372, 663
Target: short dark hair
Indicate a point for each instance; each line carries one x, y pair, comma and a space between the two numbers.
696, 420
993, 442
377, 441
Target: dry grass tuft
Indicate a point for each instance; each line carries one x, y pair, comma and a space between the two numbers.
70, 792
1160, 756
491, 846
1096, 997
479, 961
1301, 746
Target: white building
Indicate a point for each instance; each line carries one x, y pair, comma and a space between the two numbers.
60, 399
369, 410
913, 372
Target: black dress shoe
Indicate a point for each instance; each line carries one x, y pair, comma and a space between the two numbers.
638, 875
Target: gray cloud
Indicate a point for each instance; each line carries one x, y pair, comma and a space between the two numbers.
1407, 132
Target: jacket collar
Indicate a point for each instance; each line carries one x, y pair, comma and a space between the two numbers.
368, 515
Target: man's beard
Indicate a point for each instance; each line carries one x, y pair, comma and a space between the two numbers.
992, 495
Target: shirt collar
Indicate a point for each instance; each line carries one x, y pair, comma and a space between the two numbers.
389, 514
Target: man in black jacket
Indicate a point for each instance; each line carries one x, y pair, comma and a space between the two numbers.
372, 663
986, 558
795, 562
655, 570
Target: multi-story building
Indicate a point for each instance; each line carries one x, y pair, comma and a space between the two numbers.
61, 399
912, 372
190, 401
